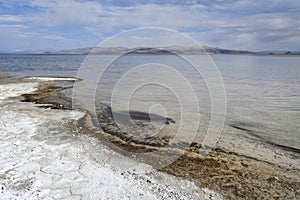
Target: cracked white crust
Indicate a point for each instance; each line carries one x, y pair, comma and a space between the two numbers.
41, 158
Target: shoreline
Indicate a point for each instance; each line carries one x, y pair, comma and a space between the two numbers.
42, 156
227, 168
233, 174
256, 134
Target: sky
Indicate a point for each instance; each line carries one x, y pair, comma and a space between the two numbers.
255, 25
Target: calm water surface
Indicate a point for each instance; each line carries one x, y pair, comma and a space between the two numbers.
263, 92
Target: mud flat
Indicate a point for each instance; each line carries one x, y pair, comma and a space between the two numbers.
239, 167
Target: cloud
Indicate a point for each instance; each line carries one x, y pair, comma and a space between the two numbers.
149, 37
68, 12
14, 38
250, 7
245, 24
10, 18
278, 30
11, 27
74, 13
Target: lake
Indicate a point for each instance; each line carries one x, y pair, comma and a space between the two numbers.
262, 92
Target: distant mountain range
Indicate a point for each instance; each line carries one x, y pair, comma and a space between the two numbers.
161, 50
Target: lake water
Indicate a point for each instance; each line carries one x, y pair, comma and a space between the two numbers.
263, 92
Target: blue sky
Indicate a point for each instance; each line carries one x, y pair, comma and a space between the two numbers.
66, 24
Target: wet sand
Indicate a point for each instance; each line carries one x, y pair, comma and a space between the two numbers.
238, 167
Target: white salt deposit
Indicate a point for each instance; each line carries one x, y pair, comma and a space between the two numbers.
41, 158
15, 90
52, 78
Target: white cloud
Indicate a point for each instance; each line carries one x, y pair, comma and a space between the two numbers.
14, 37
11, 27
10, 18
68, 12
71, 12
252, 6
149, 37
245, 24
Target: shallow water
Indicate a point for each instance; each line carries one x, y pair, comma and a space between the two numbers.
263, 92
42, 157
